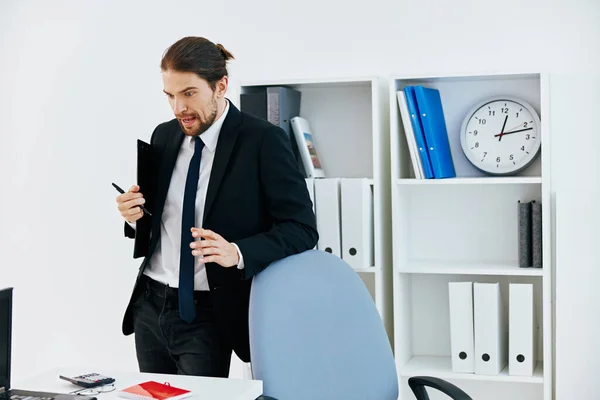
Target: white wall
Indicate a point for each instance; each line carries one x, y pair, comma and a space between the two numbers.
80, 82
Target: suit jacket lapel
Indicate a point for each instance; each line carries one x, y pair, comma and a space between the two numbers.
225, 144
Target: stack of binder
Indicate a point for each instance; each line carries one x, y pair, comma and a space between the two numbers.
426, 134
278, 105
483, 340
344, 211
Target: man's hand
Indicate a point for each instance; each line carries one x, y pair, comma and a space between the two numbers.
213, 248
129, 202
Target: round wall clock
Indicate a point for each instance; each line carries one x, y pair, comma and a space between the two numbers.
501, 135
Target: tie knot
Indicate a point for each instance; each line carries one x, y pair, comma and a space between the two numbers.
198, 144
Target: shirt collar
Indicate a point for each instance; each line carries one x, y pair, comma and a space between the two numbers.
210, 137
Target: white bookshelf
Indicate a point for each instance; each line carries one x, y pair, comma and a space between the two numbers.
465, 228
349, 120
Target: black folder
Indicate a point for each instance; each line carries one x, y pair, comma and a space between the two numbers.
145, 180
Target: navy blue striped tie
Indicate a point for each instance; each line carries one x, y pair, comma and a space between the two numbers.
187, 308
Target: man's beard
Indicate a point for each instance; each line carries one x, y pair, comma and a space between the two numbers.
203, 126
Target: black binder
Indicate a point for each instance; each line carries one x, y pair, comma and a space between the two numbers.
145, 180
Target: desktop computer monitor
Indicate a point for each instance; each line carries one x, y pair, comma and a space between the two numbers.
5, 336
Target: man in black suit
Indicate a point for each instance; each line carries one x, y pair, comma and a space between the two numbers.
226, 199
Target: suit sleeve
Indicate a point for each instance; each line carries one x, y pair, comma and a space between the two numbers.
129, 231
287, 201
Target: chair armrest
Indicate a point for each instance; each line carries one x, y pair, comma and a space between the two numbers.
418, 386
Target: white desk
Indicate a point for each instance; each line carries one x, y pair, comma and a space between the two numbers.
202, 387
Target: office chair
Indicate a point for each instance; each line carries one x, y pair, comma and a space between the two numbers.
315, 333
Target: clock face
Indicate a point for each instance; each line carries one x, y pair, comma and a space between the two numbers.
501, 136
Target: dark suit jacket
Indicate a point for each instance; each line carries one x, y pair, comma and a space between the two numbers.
256, 198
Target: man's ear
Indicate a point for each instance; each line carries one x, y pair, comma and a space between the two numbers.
221, 87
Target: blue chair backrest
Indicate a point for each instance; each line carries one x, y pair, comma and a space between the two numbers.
315, 332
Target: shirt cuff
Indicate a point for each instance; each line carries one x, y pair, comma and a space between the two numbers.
132, 224
241, 263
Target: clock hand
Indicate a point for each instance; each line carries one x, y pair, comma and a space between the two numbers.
502, 131
515, 127
509, 132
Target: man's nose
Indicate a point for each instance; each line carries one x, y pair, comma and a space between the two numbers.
180, 106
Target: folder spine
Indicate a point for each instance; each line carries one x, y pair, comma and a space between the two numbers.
461, 326
273, 106
254, 103
436, 134
356, 222
491, 329
536, 234
524, 223
522, 330
411, 103
327, 204
415, 156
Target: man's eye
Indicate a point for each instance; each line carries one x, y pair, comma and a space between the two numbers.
189, 94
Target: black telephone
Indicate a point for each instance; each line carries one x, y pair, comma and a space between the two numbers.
88, 380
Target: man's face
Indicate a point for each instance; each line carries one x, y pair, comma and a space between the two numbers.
192, 100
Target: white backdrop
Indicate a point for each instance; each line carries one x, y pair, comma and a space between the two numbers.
80, 81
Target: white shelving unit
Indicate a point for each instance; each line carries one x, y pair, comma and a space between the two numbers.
465, 228
349, 120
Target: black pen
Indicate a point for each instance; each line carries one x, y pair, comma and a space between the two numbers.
122, 191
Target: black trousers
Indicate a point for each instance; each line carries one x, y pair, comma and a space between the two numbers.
167, 344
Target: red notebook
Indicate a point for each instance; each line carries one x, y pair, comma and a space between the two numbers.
152, 390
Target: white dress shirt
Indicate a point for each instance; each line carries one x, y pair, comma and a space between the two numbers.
164, 264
